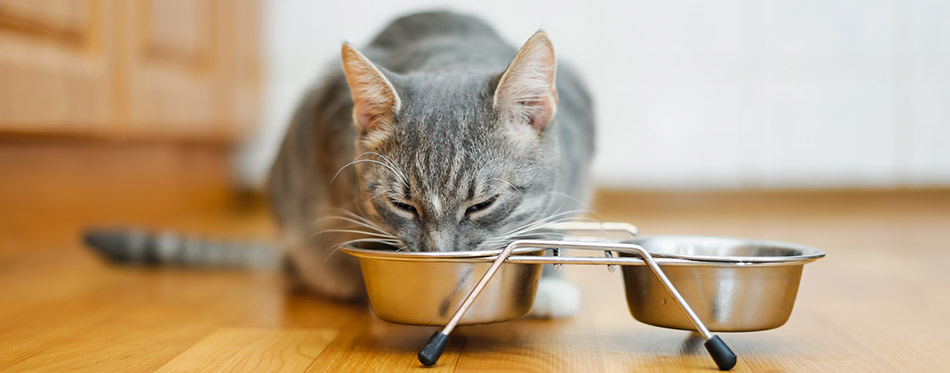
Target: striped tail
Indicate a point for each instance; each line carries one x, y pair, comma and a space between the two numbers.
134, 246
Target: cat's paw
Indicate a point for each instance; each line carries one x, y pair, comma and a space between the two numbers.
556, 297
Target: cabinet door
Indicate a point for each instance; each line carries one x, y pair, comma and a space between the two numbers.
161, 69
174, 63
192, 67
55, 66
242, 72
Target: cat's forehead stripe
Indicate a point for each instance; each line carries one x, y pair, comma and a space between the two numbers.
436, 203
471, 189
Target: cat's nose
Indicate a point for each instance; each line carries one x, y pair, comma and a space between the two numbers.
440, 240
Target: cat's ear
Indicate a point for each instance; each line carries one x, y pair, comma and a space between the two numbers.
375, 101
526, 91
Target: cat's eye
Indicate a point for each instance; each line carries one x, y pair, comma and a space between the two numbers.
480, 206
403, 206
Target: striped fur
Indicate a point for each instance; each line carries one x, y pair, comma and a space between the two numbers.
475, 147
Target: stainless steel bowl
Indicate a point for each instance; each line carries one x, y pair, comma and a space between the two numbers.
427, 288
733, 285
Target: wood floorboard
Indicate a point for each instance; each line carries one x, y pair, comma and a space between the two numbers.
876, 303
369, 344
253, 349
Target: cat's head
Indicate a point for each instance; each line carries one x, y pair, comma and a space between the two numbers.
456, 160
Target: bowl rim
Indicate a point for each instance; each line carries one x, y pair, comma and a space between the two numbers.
805, 253
434, 256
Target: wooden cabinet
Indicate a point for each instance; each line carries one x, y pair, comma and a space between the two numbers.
56, 66
139, 68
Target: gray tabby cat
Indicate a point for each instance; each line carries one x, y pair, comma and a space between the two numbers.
439, 136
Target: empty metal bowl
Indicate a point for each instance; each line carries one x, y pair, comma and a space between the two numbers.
733, 285
427, 288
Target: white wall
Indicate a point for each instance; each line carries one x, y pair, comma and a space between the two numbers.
698, 94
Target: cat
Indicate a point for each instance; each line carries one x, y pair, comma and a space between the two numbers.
437, 136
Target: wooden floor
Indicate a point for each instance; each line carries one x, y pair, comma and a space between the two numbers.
878, 302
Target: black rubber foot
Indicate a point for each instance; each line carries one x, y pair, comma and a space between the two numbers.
724, 357
429, 354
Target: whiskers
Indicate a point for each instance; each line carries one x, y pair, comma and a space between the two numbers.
540, 228
348, 223
381, 160
354, 225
